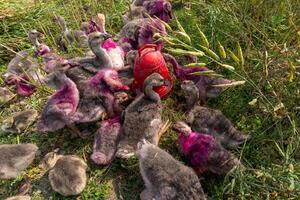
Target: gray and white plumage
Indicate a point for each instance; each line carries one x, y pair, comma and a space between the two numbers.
146, 109
191, 94
161, 9
24, 62
61, 106
68, 176
139, 32
71, 36
213, 122
23, 69
5, 95
89, 108
19, 121
33, 36
106, 141
136, 12
100, 59
166, 178
210, 121
138, 2
126, 74
79, 76
15, 158
130, 29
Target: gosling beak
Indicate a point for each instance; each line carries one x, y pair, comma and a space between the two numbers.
107, 36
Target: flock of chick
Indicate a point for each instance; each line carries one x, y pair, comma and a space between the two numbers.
98, 87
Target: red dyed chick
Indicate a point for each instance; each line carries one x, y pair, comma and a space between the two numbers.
150, 60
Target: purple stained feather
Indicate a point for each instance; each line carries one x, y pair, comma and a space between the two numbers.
197, 148
204, 152
109, 44
184, 73
159, 8
94, 27
115, 52
147, 31
22, 83
126, 45
24, 87
213, 122
20, 70
61, 106
106, 141
106, 79
139, 32
43, 49
90, 109
104, 84
50, 59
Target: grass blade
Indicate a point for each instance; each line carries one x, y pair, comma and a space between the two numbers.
240, 54
234, 57
210, 53
203, 39
236, 83
221, 50
195, 65
181, 52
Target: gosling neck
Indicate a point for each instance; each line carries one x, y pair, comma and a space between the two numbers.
151, 94
102, 56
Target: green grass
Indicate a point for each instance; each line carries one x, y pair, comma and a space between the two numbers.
268, 31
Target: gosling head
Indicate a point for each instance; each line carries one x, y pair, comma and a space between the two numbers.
154, 80
182, 127
97, 38
188, 86
50, 160
191, 93
160, 8
84, 26
61, 22
33, 36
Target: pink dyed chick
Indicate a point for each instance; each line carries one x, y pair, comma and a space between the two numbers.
114, 51
104, 84
23, 69
161, 9
61, 106
22, 83
106, 141
139, 32
50, 59
204, 152
24, 87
